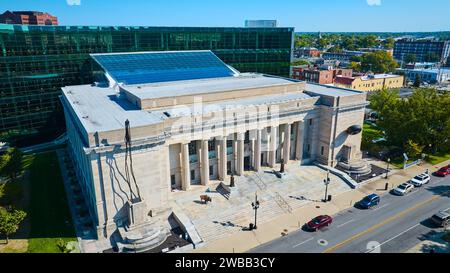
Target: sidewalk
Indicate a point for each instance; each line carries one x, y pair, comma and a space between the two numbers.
245, 240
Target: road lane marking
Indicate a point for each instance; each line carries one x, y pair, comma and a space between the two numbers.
310, 239
385, 222
393, 238
382, 207
348, 222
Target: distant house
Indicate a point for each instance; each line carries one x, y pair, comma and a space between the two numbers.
371, 82
307, 52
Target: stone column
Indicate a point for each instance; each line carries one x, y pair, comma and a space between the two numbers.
287, 143
223, 159
240, 154
185, 167
204, 163
299, 141
217, 150
257, 153
273, 147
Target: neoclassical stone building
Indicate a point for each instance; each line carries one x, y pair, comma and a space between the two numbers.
193, 120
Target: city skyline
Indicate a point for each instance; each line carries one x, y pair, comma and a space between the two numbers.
305, 16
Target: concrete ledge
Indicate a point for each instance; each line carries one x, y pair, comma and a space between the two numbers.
352, 183
187, 226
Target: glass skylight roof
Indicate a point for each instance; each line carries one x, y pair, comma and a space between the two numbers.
154, 67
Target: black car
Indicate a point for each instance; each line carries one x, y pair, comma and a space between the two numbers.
441, 219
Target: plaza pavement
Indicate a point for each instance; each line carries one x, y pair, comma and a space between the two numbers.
242, 241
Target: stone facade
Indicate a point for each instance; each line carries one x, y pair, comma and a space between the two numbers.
182, 139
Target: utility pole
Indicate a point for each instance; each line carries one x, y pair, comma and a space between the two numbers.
255, 206
326, 182
387, 170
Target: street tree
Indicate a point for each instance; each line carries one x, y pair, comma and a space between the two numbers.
12, 165
417, 81
10, 221
378, 62
419, 123
410, 58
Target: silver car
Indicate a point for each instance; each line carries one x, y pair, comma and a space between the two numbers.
404, 189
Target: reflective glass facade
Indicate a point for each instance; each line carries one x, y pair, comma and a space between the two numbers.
165, 66
36, 61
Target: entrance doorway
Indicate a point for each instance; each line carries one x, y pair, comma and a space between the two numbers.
247, 163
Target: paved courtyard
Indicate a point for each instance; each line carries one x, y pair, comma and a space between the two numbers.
229, 214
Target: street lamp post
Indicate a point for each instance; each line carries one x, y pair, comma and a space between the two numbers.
327, 182
255, 206
387, 171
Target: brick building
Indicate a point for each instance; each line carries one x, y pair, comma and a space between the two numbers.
28, 18
307, 52
320, 75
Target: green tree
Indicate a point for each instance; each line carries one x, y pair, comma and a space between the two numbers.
384, 99
410, 58
417, 81
336, 49
421, 121
12, 165
322, 43
355, 66
10, 221
389, 43
367, 41
413, 149
378, 62
300, 62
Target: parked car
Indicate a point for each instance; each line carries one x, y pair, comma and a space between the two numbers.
404, 189
443, 172
441, 219
319, 222
369, 201
420, 180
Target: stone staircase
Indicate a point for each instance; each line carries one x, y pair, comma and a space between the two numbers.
141, 238
359, 167
237, 218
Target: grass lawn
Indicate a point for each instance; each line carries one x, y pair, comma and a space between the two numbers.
372, 132
439, 158
48, 211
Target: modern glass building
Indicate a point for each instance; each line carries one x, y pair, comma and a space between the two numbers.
36, 61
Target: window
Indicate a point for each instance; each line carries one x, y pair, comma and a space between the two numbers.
192, 148
212, 145
322, 150
211, 170
173, 180
193, 175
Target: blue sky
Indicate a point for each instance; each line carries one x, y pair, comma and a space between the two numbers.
304, 15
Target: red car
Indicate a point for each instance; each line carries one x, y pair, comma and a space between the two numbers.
319, 222
443, 172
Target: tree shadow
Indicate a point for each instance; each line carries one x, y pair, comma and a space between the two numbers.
231, 225
443, 191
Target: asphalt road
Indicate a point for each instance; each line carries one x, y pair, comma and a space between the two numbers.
396, 225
